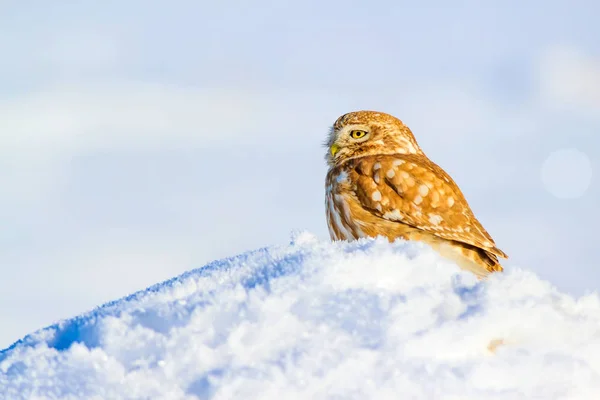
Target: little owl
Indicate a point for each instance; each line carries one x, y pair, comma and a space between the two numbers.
380, 183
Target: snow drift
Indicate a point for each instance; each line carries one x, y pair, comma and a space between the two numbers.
316, 320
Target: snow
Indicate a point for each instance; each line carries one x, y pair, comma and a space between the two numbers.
318, 320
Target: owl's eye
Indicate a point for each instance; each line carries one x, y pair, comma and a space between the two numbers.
358, 134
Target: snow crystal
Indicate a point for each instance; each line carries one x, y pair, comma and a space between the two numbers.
315, 320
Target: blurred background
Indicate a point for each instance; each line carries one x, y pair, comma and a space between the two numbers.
140, 139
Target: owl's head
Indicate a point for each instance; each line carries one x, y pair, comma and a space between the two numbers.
364, 133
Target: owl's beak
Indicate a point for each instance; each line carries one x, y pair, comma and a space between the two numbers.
334, 149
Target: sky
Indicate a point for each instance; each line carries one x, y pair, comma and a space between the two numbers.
141, 139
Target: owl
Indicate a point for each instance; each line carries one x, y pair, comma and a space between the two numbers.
380, 183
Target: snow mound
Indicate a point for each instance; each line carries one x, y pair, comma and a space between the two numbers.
320, 320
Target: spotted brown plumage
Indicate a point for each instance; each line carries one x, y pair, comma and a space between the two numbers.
380, 183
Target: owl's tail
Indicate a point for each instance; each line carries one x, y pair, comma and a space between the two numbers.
490, 259
479, 261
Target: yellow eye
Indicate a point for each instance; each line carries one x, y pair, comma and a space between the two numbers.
358, 134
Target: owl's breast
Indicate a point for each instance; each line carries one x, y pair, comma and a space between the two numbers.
341, 206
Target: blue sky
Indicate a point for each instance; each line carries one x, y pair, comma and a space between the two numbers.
141, 139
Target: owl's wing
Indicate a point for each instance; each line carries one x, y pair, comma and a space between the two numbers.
413, 190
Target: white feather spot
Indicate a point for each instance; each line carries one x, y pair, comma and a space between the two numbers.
391, 173
393, 215
418, 199
423, 190
397, 163
378, 207
435, 219
376, 196
450, 201
376, 177
376, 166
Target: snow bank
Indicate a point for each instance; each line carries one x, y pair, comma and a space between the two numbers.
316, 320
